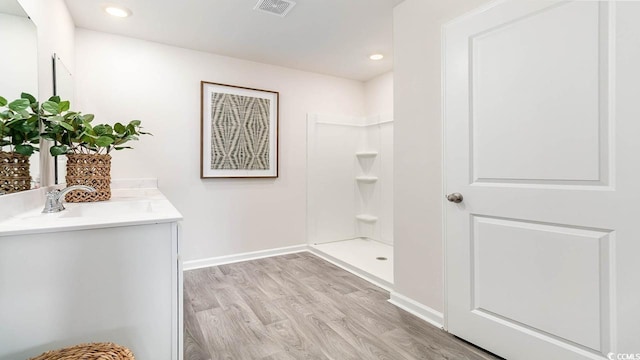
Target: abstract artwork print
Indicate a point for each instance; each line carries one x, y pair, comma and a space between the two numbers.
239, 132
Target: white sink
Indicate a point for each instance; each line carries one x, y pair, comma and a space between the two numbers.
106, 209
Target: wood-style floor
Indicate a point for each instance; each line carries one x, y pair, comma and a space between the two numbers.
299, 306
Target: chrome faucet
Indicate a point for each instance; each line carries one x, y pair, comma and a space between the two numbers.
53, 201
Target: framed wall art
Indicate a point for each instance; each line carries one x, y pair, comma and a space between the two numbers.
238, 132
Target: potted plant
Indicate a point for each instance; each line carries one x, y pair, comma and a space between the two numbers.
87, 147
20, 136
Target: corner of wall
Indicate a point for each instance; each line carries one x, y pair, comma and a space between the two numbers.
56, 34
378, 95
419, 253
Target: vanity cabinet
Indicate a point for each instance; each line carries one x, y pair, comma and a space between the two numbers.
115, 283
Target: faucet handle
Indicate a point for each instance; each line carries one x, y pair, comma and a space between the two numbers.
52, 194
52, 201
54, 198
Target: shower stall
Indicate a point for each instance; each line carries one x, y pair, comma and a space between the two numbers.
350, 193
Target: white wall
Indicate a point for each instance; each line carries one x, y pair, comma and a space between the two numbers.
331, 205
377, 198
385, 171
20, 64
379, 96
56, 33
418, 252
119, 79
379, 102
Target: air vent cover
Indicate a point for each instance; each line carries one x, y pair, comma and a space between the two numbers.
275, 7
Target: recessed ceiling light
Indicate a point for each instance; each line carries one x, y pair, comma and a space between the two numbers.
117, 11
376, 57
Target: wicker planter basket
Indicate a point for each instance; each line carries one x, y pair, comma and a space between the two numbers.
94, 351
14, 172
91, 170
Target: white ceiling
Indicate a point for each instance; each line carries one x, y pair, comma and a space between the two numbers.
332, 37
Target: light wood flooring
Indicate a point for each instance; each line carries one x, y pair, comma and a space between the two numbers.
299, 306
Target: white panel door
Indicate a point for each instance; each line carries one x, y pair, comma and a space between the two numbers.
542, 139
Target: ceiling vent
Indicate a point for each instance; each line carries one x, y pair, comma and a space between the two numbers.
275, 7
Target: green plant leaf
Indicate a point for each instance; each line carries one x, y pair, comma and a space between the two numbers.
101, 129
66, 126
48, 136
122, 147
104, 141
25, 127
56, 119
135, 122
90, 135
34, 120
88, 117
132, 129
13, 122
29, 97
58, 150
119, 128
55, 99
26, 150
24, 114
64, 106
19, 104
3, 101
86, 139
51, 107
17, 138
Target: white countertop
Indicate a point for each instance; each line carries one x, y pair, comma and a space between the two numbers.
126, 207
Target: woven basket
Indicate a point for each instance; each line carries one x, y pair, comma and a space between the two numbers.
91, 170
14, 172
94, 351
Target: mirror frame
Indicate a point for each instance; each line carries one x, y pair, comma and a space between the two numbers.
59, 69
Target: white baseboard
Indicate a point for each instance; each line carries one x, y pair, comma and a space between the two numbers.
221, 260
424, 312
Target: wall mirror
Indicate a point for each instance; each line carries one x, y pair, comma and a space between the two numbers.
63, 87
19, 64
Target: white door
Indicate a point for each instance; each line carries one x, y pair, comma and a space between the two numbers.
542, 139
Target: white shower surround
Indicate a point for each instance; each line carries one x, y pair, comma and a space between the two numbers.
349, 178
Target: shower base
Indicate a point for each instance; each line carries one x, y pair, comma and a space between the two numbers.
365, 257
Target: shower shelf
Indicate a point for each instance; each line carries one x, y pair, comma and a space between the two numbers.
366, 154
367, 218
367, 179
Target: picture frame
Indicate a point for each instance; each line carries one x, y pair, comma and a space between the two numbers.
238, 131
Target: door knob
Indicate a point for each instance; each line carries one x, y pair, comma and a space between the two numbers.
455, 198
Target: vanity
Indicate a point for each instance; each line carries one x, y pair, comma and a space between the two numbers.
95, 272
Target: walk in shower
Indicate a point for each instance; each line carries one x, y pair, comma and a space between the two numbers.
350, 192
